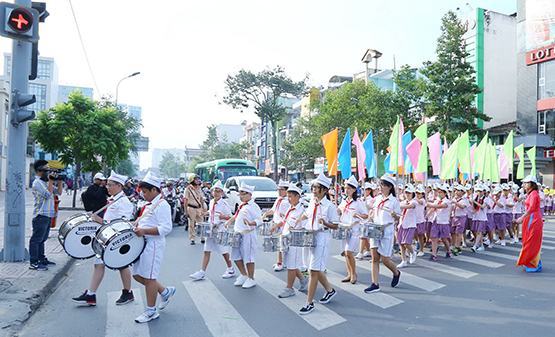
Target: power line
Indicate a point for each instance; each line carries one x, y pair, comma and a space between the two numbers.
83, 47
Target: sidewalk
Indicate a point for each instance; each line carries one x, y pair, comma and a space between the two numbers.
23, 290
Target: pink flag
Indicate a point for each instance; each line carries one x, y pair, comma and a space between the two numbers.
434, 145
413, 151
401, 157
361, 156
503, 166
418, 176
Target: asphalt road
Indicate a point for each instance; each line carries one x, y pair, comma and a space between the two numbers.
480, 294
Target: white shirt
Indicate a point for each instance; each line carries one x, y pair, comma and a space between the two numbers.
420, 209
247, 211
217, 208
280, 207
461, 211
499, 205
167, 193
443, 215
324, 209
160, 218
408, 215
119, 207
508, 203
542, 198
290, 218
382, 208
490, 203
518, 208
348, 213
480, 213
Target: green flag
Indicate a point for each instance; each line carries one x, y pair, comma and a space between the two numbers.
394, 147
480, 156
422, 134
508, 149
463, 153
494, 164
532, 157
449, 162
519, 150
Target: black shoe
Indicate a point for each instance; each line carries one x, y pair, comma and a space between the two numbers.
202, 241
395, 280
327, 297
38, 266
85, 299
46, 262
126, 297
192, 242
307, 309
373, 288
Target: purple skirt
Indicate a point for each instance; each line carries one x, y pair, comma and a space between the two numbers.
479, 226
499, 220
405, 235
421, 228
490, 226
468, 223
516, 215
508, 220
458, 224
440, 231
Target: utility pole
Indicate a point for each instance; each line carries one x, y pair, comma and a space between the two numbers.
20, 22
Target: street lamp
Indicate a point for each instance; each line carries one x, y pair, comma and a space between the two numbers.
117, 86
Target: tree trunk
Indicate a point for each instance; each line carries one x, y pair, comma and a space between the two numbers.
274, 146
75, 182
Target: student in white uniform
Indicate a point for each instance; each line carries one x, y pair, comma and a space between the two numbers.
293, 219
352, 211
441, 227
460, 212
154, 223
421, 218
387, 211
480, 219
118, 207
368, 199
218, 213
507, 210
407, 227
518, 209
320, 214
245, 220
281, 205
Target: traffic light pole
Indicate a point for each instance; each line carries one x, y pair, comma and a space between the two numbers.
14, 217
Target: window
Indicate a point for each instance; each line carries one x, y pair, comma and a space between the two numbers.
40, 92
546, 122
546, 80
43, 69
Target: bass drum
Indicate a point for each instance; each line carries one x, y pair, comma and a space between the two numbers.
118, 245
76, 235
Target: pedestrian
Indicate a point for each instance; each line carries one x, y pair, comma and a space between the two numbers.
119, 207
441, 227
368, 199
460, 205
479, 218
154, 223
278, 210
532, 228
44, 188
195, 204
96, 195
407, 227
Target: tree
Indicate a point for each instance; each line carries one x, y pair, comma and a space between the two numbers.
451, 87
171, 166
216, 148
126, 167
261, 92
86, 134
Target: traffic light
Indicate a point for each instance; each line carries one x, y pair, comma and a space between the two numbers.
19, 23
19, 102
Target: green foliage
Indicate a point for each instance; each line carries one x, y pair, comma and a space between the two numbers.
215, 148
171, 166
126, 167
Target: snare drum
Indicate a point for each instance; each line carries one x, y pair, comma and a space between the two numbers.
76, 234
372, 231
235, 240
283, 243
264, 229
271, 244
205, 230
118, 245
222, 238
301, 238
341, 232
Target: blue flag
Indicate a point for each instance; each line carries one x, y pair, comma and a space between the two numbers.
386, 164
407, 137
344, 156
368, 145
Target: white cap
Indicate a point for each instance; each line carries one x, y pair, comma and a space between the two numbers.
468, 187
283, 184
367, 186
217, 184
352, 181
389, 179
478, 187
322, 180
152, 180
409, 188
118, 178
374, 186
420, 189
515, 188
294, 188
443, 187
460, 187
505, 186
530, 179
246, 188
100, 176
497, 190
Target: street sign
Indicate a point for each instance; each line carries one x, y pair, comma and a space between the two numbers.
19, 22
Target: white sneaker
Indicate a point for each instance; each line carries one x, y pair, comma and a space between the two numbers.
486, 242
515, 240
240, 280
166, 299
304, 284
498, 242
287, 292
199, 275
403, 264
367, 254
503, 243
480, 249
249, 283
146, 317
229, 273
464, 244
359, 256
278, 267
420, 254
412, 258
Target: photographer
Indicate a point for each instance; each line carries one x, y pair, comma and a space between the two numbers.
43, 212
96, 195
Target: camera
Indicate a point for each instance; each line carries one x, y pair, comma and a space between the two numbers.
56, 174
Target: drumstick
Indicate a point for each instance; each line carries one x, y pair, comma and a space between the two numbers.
136, 222
107, 205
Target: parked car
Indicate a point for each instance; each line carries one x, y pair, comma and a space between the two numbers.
265, 191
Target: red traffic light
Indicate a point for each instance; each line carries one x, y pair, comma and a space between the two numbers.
20, 20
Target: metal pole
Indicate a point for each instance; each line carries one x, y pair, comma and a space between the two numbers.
117, 86
14, 217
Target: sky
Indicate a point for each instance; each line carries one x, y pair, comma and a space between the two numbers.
186, 49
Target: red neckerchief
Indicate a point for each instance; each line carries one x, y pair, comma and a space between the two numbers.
287, 214
212, 212
143, 209
239, 209
314, 214
380, 205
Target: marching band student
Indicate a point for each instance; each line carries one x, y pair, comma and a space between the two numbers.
119, 207
281, 205
218, 213
352, 211
407, 226
490, 224
293, 219
245, 220
460, 204
469, 211
369, 196
499, 215
386, 213
480, 218
507, 211
420, 218
441, 227
321, 214
154, 224
518, 209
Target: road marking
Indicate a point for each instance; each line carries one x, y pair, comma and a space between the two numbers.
321, 318
512, 249
481, 262
544, 246
407, 278
446, 269
500, 255
379, 299
120, 319
220, 317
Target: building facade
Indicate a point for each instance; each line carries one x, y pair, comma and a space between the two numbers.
65, 90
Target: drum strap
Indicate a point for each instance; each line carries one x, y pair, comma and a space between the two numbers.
142, 214
108, 205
